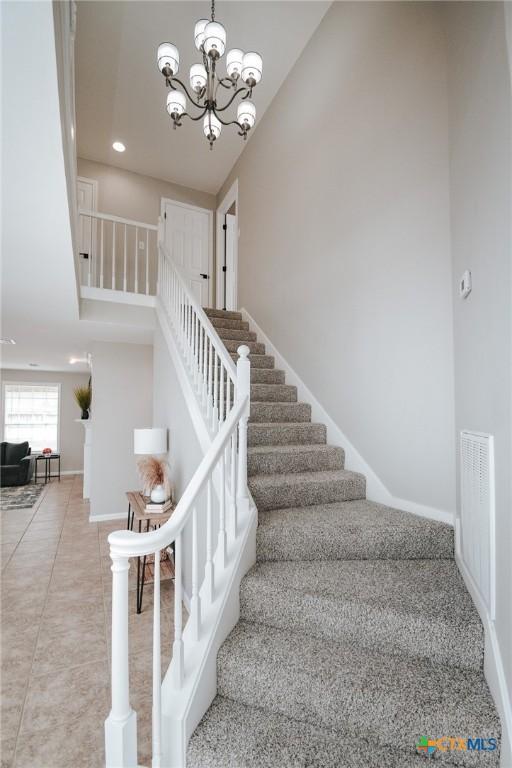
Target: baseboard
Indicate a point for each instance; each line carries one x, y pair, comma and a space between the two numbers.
493, 663
375, 488
72, 472
104, 518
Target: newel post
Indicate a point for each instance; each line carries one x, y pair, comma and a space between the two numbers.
121, 724
243, 390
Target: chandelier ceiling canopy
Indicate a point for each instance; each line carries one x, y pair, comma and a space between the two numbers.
205, 82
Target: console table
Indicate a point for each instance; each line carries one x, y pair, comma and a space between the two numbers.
145, 574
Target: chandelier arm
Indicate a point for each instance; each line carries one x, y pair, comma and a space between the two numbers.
175, 79
230, 122
238, 91
223, 82
186, 114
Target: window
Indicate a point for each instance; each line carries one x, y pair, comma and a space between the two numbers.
31, 412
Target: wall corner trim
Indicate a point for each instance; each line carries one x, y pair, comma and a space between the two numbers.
375, 488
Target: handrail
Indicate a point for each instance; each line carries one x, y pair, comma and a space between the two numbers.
126, 543
117, 219
201, 314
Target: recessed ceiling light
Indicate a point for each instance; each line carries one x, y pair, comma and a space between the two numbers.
7, 341
73, 360
118, 146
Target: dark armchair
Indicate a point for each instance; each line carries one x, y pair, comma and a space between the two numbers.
17, 464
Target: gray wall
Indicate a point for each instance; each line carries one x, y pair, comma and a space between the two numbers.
344, 252
481, 208
123, 400
71, 434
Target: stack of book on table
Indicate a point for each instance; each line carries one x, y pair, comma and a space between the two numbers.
150, 506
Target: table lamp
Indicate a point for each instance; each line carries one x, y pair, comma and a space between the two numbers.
152, 442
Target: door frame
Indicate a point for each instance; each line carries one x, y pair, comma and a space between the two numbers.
92, 266
190, 207
94, 184
230, 198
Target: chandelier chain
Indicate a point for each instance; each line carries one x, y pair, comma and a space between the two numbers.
213, 10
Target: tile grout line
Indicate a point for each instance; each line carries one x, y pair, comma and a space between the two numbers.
35, 508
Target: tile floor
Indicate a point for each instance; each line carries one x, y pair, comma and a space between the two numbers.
55, 635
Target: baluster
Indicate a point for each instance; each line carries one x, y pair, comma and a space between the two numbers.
147, 261
243, 389
222, 396
215, 418
209, 567
121, 724
101, 254
157, 672
201, 369
136, 282
113, 255
209, 401
232, 488
124, 260
194, 355
205, 370
177, 648
195, 601
222, 511
89, 265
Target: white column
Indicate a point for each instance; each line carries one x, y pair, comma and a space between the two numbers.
121, 724
87, 425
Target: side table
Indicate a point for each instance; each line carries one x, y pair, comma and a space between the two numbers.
47, 466
137, 511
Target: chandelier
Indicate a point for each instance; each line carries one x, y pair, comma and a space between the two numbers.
205, 82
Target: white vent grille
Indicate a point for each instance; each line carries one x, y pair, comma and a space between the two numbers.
477, 513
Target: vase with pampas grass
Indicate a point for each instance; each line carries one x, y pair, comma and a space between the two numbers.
154, 475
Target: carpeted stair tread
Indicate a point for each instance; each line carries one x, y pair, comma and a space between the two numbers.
273, 393
273, 433
233, 735
289, 489
227, 314
267, 376
351, 530
258, 361
416, 608
235, 334
271, 459
281, 412
228, 322
388, 700
255, 347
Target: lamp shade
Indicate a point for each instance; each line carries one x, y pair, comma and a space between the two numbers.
252, 67
199, 32
214, 39
149, 441
168, 58
234, 61
246, 114
198, 77
212, 127
176, 103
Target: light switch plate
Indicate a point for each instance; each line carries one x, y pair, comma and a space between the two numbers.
465, 285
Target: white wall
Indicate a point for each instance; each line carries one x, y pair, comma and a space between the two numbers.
345, 243
481, 207
71, 438
123, 401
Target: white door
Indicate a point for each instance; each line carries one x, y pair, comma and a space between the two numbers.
86, 199
230, 264
188, 238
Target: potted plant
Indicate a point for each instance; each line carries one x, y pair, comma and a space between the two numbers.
154, 474
83, 396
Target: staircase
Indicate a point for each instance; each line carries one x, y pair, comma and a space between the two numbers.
357, 636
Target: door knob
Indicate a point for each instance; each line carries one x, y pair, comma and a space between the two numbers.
205, 277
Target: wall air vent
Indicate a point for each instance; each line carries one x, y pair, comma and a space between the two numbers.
478, 513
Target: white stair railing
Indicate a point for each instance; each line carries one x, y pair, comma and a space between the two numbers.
216, 498
119, 254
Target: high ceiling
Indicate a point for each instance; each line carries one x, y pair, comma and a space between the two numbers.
120, 94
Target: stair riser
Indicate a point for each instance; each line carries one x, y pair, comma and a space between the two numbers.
296, 542
274, 463
280, 412
255, 347
281, 496
273, 393
233, 334
266, 376
365, 625
225, 322
222, 313
286, 434
257, 361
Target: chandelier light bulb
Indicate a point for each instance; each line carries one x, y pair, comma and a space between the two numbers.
212, 127
199, 32
246, 114
252, 69
234, 60
214, 39
176, 103
168, 59
198, 77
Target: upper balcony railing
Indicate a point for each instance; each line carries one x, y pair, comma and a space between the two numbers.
117, 255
